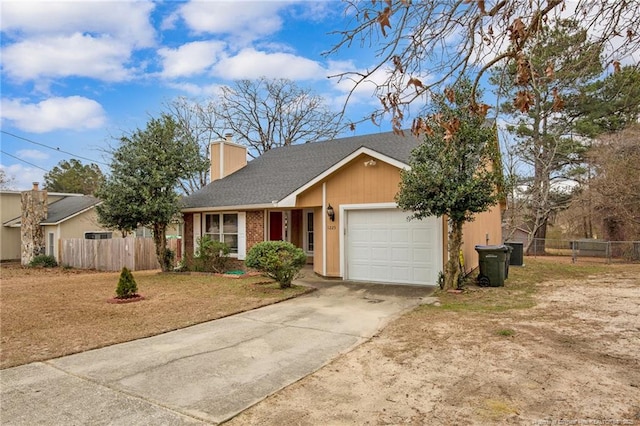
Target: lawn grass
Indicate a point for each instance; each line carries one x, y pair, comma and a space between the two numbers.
519, 289
47, 313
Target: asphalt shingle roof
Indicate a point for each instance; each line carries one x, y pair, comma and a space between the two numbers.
281, 171
68, 206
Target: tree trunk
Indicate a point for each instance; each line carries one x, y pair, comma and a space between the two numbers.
452, 270
160, 240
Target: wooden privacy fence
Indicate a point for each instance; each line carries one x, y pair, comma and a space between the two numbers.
137, 254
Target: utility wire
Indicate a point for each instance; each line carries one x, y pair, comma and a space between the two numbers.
51, 148
24, 161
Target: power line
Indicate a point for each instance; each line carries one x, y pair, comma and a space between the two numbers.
51, 148
24, 161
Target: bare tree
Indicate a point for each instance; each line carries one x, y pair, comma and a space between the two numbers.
198, 123
423, 44
5, 180
616, 186
269, 113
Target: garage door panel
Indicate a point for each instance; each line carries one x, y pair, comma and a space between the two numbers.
400, 235
383, 246
399, 274
379, 254
400, 254
360, 235
379, 236
361, 254
422, 274
423, 234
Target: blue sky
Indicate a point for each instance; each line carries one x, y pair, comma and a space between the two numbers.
77, 74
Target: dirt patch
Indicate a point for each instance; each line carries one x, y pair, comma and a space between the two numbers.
573, 358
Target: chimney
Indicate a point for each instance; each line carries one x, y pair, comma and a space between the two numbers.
227, 157
34, 211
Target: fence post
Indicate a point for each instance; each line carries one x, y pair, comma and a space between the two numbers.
608, 252
574, 253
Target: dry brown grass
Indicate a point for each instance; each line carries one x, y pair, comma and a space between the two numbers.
47, 313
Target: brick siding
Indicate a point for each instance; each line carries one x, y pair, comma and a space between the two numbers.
255, 228
188, 235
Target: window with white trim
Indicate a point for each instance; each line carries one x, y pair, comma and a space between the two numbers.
309, 232
51, 243
222, 227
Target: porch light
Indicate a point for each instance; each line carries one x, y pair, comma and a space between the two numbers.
331, 213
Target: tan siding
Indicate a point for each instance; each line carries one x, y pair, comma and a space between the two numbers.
475, 233
235, 158
318, 249
357, 184
9, 237
215, 162
352, 184
85, 222
311, 197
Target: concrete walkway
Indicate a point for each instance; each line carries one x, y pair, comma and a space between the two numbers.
207, 373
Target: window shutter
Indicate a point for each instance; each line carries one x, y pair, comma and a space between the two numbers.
197, 233
242, 235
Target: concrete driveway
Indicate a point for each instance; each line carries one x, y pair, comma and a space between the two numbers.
207, 373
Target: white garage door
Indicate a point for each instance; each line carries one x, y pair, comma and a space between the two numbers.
382, 246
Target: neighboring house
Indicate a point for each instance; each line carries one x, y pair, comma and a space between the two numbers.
333, 199
517, 234
58, 216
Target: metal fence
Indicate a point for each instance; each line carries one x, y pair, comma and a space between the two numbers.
586, 249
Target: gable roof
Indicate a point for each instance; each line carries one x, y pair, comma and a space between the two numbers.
68, 207
280, 172
63, 209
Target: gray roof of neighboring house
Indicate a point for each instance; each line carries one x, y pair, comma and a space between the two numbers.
280, 172
62, 209
66, 207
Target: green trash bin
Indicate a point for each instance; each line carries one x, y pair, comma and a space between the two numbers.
517, 256
492, 263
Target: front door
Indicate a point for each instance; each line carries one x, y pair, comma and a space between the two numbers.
276, 226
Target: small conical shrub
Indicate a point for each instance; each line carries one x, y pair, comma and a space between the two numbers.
127, 286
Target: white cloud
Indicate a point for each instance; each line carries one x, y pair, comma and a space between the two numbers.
74, 112
52, 39
250, 63
244, 20
23, 176
190, 59
63, 56
198, 90
32, 154
122, 20
363, 93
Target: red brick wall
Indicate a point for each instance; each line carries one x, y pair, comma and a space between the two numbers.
255, 228
188, 235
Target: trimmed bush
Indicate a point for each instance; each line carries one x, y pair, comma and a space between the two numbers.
211, 256
169, 258
127, 286
43, 261
279, 260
